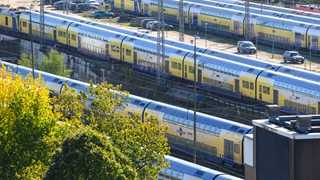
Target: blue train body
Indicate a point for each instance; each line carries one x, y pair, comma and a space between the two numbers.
215, 71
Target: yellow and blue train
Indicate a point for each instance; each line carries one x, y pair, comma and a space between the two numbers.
213, 72
218, 140
281, 30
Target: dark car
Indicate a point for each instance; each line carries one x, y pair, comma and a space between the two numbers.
145, 21
246, 47
156, 25
102, 14
293, 56
84, 7
61, 5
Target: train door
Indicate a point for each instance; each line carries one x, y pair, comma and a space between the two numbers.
185, 71
122, 4
55, 36
107, 49
145, 9
236, 86
275, 96
135, 58
260, 92
228, 149
297, 43
195, 20
199, 75
314, 44
236, 27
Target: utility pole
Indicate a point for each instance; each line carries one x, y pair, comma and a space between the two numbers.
160, 41
247, 29
181, 21
41, 23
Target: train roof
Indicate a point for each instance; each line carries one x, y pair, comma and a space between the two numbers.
96, 24
292, 82
8, 13
176, 113
96, 31
49, 20
300, 73
182, 169
212, 62
259, 11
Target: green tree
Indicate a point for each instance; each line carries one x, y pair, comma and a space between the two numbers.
53, 63
142, 143
142, 140
29, 132
25, 60
90, 155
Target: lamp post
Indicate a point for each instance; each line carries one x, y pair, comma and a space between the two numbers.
31, 40
205, 30
194, 100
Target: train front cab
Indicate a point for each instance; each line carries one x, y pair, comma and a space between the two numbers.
9, 20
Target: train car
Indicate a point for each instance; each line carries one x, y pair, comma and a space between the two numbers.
225, 20
184, 170
50, 26
218, 140
190, 47
9, 20
293, 94
287, 34
212, 73
259, 10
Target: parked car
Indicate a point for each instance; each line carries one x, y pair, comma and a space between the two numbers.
61, 5
93, 3
145, 21
77, 1
246, 47
149, 24
72, 6
102, 14
156, 25
293, 56
84, 7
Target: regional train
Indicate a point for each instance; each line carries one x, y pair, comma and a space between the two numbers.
184, 170
284, 33
293, 94
201, 50
218, 140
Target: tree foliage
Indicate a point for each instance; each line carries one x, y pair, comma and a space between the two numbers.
89, 155
142, 140
53, 63
25, 60
54, 138
29, 132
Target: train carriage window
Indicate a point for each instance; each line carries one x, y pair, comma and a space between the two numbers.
128, 52
7, 21
24, 24
191, 69
73, 37
179, 66
236, 148
251, 86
